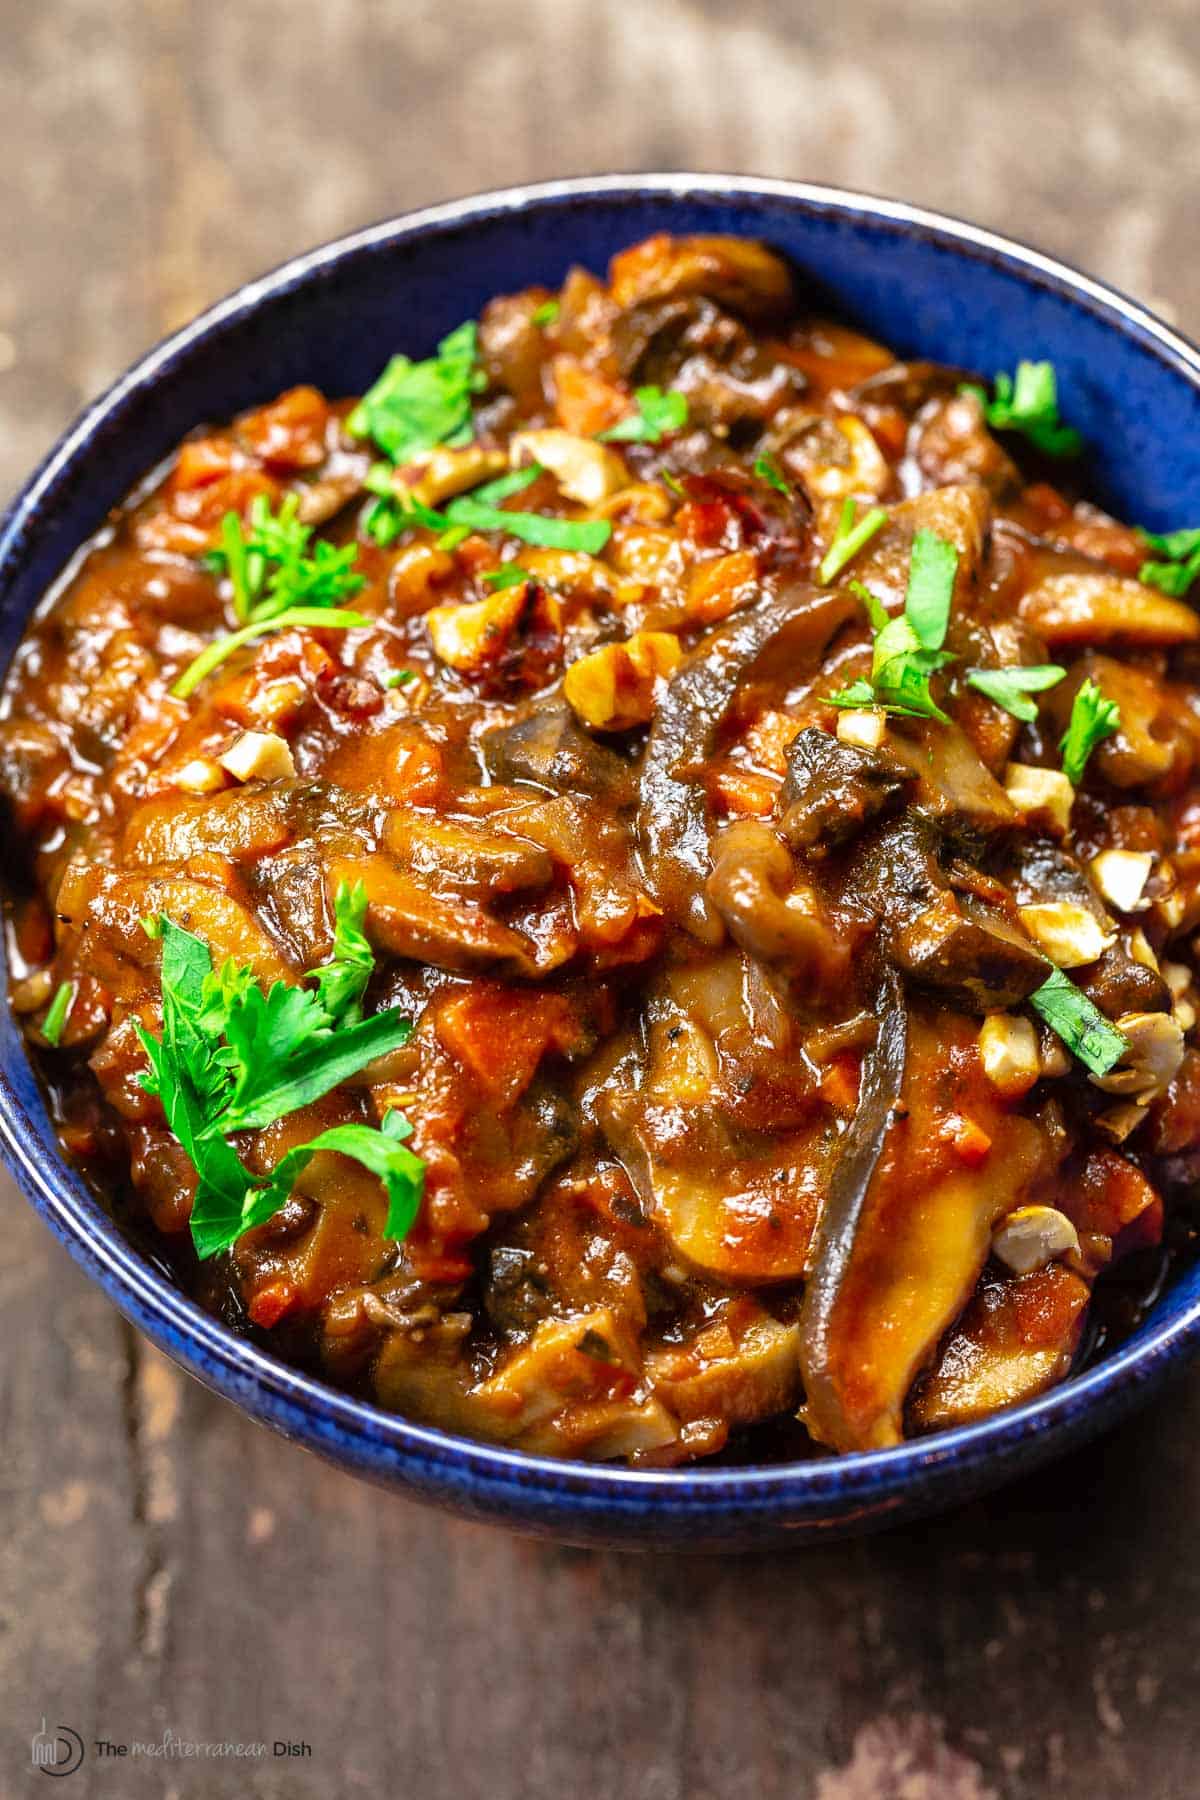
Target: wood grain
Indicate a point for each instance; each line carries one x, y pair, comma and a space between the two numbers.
164, 1565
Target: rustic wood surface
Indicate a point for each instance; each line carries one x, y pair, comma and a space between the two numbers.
164, 1565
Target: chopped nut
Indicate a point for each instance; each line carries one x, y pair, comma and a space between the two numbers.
1119, 1121
1121, 876
468, 635
863, 471
584, 470
1140, 950
613, 687
199, 775
1152, 1059
866, 730
258, 756
1045, 796
1178, 978
1033, 1236
1009, 1052
1070, 935
446, 472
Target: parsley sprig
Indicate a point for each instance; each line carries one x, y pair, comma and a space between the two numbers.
1028, 403
908, 649
658, 412
1011, 688
768, 470
277, 582
481, 510
414, 406
233, 1058
1093, 718
1180, 564
271, 568
849, 539
58, 1012
1080, 1024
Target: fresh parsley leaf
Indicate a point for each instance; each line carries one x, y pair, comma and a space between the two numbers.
849, 539
506, 576
382, 1152
1093, 718
931, 576
399, 678
58, 1012
858, 695
908, 649
415, 406
768, 470
269, 565
481, 511
1029, 404
1080, 1024
658, 412
325, 618
1011, 688
547, 313
342, 981
672, 484
1181, 565
232, 1058
873, 606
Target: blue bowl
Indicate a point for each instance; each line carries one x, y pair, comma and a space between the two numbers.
925, 284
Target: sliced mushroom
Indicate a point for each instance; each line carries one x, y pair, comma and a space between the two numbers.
1104, 609
832, 790
551, 750
672, 815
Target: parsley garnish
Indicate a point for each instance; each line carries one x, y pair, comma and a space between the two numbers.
1175, 575
276, 582
547, 313
658, 412
1011, 688
399, 678
415, 406
342, 981
232, 1058
1093, 718
269, 565
325, 618
58, 1012
849, 539
1080, 1024
1029, 404
506, 576
768, 470
480, 511
908, 649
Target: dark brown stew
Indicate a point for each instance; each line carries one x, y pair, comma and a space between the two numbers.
635, 884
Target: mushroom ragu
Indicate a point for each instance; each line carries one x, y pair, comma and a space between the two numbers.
631, 891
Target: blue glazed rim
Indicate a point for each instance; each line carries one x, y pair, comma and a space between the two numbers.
704, 1507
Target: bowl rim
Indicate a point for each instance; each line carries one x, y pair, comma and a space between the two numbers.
387, 1444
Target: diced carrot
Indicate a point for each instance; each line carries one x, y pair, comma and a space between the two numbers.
499, 1035
969, 1141
272, 1302
839, 1081
719, 586
584, 402
290, 433
201, 461
417, 774
742, 792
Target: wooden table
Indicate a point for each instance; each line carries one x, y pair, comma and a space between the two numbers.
164, 1565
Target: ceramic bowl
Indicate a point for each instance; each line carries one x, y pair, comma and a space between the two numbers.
927, 285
